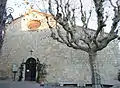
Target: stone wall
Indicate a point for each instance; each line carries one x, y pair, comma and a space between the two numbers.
64, 64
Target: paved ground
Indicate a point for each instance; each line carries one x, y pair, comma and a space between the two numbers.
26, 84
16, 84
29, 84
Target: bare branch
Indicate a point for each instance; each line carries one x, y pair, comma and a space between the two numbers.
72, 21
50, 7
83, 14
112, 4
75, 42
100, 18
116, 18
104, 42
81, 47
57, 6
63, 19
88, 18
62, 8
84, 19
67, 10
53, 35
106, 18
60, 35
71, 39
48, 23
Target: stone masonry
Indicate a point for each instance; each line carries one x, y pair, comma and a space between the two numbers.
64, 64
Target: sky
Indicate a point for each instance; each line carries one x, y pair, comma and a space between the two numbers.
20, 8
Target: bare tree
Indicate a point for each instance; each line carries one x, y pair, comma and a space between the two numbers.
2, 19
90, 42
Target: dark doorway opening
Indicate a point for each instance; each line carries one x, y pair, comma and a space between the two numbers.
30, 71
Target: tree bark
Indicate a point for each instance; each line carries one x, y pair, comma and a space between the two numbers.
96, 80
2, 20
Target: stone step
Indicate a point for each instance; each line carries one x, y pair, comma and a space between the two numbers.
70, 84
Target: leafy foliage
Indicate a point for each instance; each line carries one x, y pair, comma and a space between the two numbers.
41, 69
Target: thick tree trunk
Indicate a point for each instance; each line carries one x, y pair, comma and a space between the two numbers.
96, 80
2, 20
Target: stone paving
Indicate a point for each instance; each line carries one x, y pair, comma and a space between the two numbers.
16, 84
30, 84
27, 84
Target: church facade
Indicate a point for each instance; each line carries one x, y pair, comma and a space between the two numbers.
28, 38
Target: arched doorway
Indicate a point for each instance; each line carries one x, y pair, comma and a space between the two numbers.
30, 71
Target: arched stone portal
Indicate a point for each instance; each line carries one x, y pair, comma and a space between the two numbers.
30, 69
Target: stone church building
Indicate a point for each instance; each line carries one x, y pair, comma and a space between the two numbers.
28, 38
